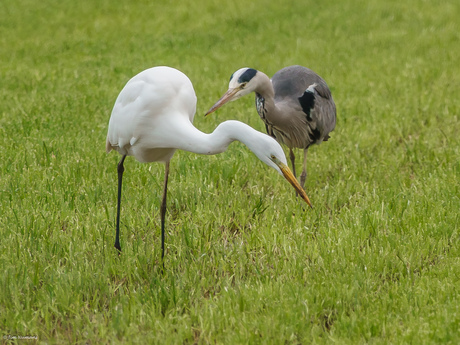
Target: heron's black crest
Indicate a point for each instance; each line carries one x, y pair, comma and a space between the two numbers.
307, 101
247, 75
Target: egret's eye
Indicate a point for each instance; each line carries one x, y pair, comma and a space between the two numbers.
272, 157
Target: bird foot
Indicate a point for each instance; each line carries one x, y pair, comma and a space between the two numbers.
118, 247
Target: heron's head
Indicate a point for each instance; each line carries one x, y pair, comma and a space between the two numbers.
242, 82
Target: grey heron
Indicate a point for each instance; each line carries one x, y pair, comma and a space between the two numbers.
296, 106
152, 118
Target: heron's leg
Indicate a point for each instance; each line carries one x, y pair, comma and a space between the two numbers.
303, 176
120, 170
292, 157
163, 212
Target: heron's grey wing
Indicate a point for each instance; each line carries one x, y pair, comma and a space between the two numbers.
299, 85
292, 82
324, 114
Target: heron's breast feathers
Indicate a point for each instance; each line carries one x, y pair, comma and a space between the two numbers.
260, 105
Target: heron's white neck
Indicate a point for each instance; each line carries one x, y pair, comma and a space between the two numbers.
264, 86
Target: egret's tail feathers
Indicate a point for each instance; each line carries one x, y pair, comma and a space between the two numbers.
108, 146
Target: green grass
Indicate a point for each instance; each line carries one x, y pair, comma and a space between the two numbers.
376, 261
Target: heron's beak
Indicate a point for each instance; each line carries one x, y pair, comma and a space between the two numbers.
227, 97
292, 180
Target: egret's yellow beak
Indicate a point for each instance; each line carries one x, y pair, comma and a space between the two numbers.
227, 97
292, 180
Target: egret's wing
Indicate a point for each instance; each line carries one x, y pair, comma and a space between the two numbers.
149, 108
123, 118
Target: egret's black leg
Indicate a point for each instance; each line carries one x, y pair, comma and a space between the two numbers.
163, 212
120, 170
303, 176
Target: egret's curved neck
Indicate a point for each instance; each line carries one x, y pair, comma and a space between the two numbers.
193, 140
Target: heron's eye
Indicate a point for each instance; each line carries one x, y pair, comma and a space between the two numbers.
243, 85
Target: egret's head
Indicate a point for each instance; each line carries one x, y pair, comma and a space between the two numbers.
271, 153
242, 82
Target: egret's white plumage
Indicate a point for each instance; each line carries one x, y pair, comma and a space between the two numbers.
150, 113
153, 115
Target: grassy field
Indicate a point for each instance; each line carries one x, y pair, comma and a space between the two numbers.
377, 261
